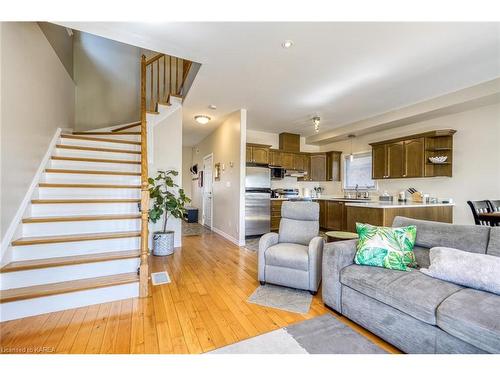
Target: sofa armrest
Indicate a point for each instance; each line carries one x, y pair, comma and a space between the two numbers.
336, 256
315, 257
265, 242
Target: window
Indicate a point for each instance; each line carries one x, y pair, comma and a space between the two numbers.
358, 172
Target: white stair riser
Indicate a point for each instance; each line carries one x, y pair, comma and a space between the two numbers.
98, 166
96, 154
43, 305
38, 210
54, 250
72, 178
20, 279
80, 227
83, 193
118, 136
86, 143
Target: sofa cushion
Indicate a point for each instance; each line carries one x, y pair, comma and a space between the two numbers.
473, 238
289, 255
477, 271
422, 256
386, 247
411, 292
494, 244
474, 317
299, 222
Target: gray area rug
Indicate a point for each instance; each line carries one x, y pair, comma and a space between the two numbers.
321, 335
193, 229
279, 297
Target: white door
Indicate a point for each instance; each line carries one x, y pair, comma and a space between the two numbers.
207, 191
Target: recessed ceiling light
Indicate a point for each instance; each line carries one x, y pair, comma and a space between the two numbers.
202, 119
287, 44
212, 106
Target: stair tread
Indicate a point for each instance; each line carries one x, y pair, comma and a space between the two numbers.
17, 294
98, 149
85, 171
97, 186
49, 219
124, 127
106, 133
25, 241
69, 260
83, 138
95, 160
78, 201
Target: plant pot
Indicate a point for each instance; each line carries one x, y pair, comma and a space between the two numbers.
163, 243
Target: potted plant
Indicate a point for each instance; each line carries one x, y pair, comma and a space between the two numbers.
165, 202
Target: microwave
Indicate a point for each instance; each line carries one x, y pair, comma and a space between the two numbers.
277, 173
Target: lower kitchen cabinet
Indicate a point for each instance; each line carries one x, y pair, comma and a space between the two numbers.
275, 215
332, 215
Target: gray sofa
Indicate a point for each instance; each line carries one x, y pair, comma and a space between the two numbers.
412, 311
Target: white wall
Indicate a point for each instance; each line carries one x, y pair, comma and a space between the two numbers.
330, 187
228, 193
37, 97
107, 75
167, 154
187, 162
476, 158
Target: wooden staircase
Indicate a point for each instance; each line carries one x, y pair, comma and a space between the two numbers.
84, 237
80, 241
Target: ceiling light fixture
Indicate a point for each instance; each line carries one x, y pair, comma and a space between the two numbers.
287, 44
316, 120
202, 119
351, 155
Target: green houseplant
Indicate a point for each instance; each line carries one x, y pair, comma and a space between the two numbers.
167, 200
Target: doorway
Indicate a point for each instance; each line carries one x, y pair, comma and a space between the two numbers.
207, 209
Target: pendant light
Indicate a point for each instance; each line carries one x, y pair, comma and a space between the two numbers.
316, 120
351, 155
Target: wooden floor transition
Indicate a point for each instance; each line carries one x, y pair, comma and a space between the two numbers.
203, 308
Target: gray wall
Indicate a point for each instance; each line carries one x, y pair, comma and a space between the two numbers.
61, 42
36, 99
107, 77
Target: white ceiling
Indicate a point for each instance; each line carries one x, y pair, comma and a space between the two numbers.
343, 72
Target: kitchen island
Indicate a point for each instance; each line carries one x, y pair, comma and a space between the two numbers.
338, 213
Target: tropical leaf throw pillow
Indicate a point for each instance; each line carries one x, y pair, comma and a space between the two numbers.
386, 247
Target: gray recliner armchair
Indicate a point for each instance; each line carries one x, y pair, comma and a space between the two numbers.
293, 256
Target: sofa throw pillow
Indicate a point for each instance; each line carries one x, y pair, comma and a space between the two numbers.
386, 247
477, 271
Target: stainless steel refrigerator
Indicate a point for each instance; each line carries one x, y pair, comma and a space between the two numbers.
257, 200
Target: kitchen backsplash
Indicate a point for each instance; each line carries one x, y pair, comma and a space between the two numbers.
330, 187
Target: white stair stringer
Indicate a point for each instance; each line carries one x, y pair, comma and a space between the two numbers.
60, 250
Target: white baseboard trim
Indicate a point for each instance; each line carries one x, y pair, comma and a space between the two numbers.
11, 230
227, 236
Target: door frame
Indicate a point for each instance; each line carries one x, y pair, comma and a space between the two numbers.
211, 155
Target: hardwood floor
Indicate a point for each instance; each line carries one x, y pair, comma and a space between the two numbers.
203, 308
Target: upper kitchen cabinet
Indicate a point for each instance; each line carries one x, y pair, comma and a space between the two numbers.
409, 157
318, 167
275, 158
287, 160
333, 160
257, 153
289, 142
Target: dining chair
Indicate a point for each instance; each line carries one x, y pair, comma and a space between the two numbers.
479, 207
494, 205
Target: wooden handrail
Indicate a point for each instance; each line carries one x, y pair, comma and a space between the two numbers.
160, 86
144, 266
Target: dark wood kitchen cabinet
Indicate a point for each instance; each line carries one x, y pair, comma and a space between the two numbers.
318, 167
335, 215
333, 160
408, 157
275, 158
257, 153
287, 160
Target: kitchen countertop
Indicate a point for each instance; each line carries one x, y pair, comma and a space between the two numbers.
396, 204
374, 203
